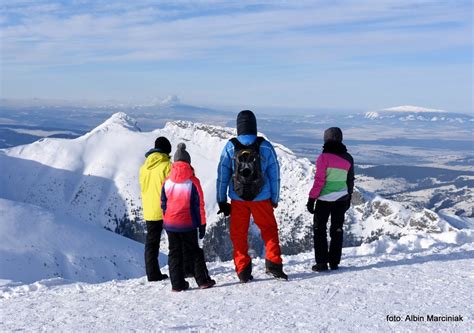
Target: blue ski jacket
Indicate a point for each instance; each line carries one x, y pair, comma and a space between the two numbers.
268, 163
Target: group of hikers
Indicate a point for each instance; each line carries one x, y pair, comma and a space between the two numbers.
249, 174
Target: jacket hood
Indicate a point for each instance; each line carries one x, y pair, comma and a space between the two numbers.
334, 147
154, 150
154, 158
247, 139
246, 123
181, 171
333, 134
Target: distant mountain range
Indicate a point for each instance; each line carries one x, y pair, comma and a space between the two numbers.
417, 113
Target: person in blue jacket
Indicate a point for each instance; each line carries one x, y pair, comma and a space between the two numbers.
249, 174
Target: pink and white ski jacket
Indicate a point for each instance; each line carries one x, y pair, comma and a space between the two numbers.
334, 177
182, 200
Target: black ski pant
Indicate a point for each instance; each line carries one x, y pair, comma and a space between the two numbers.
152, 249
188, 263
324, 209
185, 243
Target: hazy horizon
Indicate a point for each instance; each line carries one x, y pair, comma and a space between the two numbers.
175, 101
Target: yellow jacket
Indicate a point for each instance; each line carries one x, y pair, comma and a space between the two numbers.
153, 172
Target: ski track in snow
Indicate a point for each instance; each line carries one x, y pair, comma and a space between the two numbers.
357, 298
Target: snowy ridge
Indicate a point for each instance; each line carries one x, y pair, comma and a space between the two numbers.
373, 216
95, 179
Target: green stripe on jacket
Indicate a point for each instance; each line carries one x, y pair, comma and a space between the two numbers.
336, 180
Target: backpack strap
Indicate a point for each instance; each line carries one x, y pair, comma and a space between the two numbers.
237, 144
259, 140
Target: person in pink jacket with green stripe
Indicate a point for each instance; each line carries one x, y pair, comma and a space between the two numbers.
332, 193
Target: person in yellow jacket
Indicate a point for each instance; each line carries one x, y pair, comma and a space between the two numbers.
153, 173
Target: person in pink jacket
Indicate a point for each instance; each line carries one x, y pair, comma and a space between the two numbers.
332, 193
182, 201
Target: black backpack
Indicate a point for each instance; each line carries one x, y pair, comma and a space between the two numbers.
247, 178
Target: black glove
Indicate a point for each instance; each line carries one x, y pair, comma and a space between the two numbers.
310, 205
275, 205
202, 231
348, 203
224, 207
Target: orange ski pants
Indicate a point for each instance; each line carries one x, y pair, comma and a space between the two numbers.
262, 213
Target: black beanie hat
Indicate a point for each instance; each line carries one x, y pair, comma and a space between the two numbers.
163, 145
333, 134
181, 154
246, 123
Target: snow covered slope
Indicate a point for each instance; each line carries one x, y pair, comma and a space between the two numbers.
36, 244
431, 279
95, 179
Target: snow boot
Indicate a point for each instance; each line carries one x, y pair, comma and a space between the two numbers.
185, 287
160, 277
333, 267
246, 275
209, 284
320, 267
275, 270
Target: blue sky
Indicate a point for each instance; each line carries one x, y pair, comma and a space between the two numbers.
360, 55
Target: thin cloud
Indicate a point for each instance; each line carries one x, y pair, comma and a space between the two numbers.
51, 33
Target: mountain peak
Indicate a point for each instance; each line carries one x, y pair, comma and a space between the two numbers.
170, 100
118, 120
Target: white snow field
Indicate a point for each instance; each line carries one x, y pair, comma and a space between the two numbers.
435, 281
